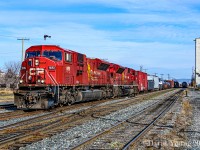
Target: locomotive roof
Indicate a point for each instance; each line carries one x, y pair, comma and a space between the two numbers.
42, 47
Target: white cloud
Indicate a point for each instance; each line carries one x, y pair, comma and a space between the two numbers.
156, 34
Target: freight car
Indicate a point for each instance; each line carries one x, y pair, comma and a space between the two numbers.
141, 80
176, 84
165, 85
153, 82
171, 83
184, 84
51, 76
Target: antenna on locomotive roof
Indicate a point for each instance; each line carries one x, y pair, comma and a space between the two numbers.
141, 68
46, 36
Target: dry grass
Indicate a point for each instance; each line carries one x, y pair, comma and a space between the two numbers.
186, 108
116, 145
6, 95
5, 92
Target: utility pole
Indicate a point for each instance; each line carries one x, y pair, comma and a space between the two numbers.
141, 68
23, 39
145, 70
168, 76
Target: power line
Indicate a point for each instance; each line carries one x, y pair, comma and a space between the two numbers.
8, 36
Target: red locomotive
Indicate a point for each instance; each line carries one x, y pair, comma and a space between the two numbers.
51, 75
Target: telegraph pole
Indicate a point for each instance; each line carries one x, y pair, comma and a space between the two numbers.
23, 39
145, 70
141, 68
168, 76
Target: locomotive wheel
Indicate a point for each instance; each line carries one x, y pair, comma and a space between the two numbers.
69, 98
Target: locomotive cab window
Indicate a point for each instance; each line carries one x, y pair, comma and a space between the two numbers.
54, 55
68, 57
80, 58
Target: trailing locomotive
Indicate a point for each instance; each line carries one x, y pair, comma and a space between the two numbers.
51, 75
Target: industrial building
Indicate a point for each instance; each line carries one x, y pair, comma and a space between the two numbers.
197, 62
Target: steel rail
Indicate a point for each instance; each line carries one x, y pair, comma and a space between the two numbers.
139, 135
22, 135
2, 106
119, 123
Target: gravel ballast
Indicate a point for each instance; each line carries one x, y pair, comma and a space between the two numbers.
15, 120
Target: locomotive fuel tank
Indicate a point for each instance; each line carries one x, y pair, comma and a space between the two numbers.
89, 95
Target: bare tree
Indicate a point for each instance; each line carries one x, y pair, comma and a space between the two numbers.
12, 72
2, 74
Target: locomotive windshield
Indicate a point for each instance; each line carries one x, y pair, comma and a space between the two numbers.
53, 55
32, 54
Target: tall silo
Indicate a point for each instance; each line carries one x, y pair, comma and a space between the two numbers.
197, 61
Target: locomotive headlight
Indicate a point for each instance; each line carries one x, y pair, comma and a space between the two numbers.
39, 81
29, 77
20, 81
42, 81
36, 62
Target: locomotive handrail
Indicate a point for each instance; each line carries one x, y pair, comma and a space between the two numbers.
56, 83
52, 79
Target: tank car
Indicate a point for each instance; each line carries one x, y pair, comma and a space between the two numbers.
184, 84
176, 84
51, 76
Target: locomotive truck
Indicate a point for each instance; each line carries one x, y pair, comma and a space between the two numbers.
51, 76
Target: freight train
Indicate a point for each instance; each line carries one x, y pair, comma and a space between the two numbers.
51, 76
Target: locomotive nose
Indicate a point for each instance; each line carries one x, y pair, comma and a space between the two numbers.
35, 74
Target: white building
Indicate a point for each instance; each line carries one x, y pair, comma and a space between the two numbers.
197, 61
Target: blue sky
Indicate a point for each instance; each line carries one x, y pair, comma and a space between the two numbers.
155, 34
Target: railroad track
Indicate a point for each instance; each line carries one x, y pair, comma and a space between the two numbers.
32, 130
126, 133
20, 113
6, 106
